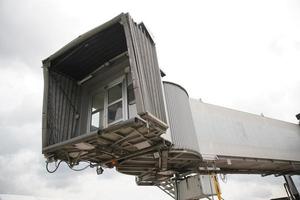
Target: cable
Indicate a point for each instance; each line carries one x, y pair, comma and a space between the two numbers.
80, 169
77, 170
223, 177
56, 167
70, 166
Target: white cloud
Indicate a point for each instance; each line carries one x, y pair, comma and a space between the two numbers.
27, 176
260, 188
19, 83
243, 55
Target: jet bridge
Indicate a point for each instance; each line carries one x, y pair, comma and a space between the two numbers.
105, 104
231, 141
240, 142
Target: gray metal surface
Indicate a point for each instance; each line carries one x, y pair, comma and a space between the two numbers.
183, 134
196, 187
168, 187
145, 70
230, 133
45, 107
62, 109
90, 50
291, 188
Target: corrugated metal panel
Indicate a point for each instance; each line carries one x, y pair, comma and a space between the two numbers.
180, 117
145, 70
226, 132
90, 50
91, 54
62, 108
167, 135
196, 187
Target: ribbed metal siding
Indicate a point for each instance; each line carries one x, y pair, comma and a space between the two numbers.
145, 70
92, 53
62, 108
231, 133
181, 124
196, 187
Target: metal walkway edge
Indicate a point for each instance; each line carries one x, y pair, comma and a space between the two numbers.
168, 187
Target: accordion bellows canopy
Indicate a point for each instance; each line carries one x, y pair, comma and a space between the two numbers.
93, 52
79, 60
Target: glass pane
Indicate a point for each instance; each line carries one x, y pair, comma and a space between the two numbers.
97, 120
130, 94
115, 112
98, 101
115, 93
95, 123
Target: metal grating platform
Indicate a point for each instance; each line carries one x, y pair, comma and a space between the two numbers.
134, 147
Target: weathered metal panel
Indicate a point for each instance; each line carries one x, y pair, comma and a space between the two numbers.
167, 135
180, 117
62, 108
90, 50
45, 107
145, 70
96, 48
230, 133
196, 187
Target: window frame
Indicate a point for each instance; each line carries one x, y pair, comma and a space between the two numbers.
101, 115
104, 89
91, 112
115, 82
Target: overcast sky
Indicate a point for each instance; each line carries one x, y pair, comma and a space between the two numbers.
239, 54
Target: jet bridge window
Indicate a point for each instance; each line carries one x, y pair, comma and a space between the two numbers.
108, 105
115, 103
130, 92
97, 111
132, 112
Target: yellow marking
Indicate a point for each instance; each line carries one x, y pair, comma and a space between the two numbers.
217, 186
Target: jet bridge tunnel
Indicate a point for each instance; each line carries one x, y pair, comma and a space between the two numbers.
105, 103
